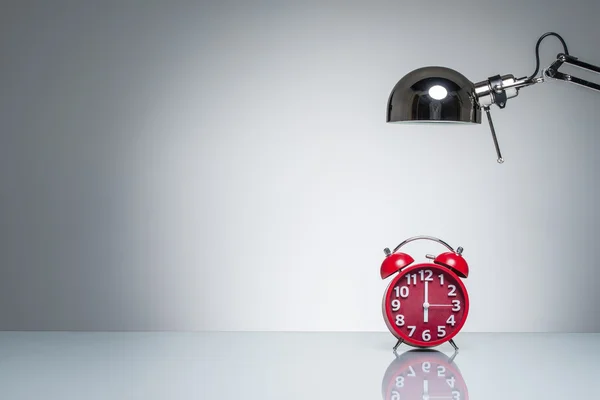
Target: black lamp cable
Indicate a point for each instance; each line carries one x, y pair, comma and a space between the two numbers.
537, 51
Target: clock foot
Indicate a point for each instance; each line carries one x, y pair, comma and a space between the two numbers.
451, 359
400, 341
454, 345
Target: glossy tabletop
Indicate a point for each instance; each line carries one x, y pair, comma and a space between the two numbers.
295, 366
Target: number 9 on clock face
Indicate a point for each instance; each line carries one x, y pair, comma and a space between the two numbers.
425, 305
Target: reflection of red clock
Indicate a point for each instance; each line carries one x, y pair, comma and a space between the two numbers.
423, 374
425, 304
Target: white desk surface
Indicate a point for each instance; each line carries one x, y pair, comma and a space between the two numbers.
248, 366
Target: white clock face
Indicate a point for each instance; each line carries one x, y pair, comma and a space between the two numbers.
423, 375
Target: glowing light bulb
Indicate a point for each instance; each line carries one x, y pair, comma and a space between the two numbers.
438, 92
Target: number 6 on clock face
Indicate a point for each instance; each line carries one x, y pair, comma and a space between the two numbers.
425, 305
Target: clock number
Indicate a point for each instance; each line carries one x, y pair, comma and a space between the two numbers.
452, 292
441, 276
427, 272
450, 382
426, 335
426, 367
441, 331
455, 305
450, 320
441, 371
412, 330
400, 320
456, 395
395, 305
399, 381
402, 292
412, 371
412, 277
395, 395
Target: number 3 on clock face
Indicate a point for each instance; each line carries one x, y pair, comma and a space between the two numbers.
425, 305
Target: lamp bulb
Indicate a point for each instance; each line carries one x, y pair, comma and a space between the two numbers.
438, 92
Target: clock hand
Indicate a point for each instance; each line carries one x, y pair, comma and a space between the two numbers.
426, 304
441, 305
425, 389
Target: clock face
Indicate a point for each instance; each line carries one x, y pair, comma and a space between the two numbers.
418, 375
425, 305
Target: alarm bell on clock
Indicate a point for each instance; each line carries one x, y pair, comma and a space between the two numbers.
425, 304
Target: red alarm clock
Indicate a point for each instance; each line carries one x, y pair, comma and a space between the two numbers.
425, 304
423, 374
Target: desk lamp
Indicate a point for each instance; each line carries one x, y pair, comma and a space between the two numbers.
443, 95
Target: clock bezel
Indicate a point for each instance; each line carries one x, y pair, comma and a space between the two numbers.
387, 311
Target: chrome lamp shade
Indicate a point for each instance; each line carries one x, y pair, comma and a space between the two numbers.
434, 94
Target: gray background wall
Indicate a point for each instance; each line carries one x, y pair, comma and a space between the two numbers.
227, 166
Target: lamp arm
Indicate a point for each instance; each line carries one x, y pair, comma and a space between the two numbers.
498, 89
505, 87
552, 71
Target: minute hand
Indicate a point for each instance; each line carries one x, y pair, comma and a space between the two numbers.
426, 304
